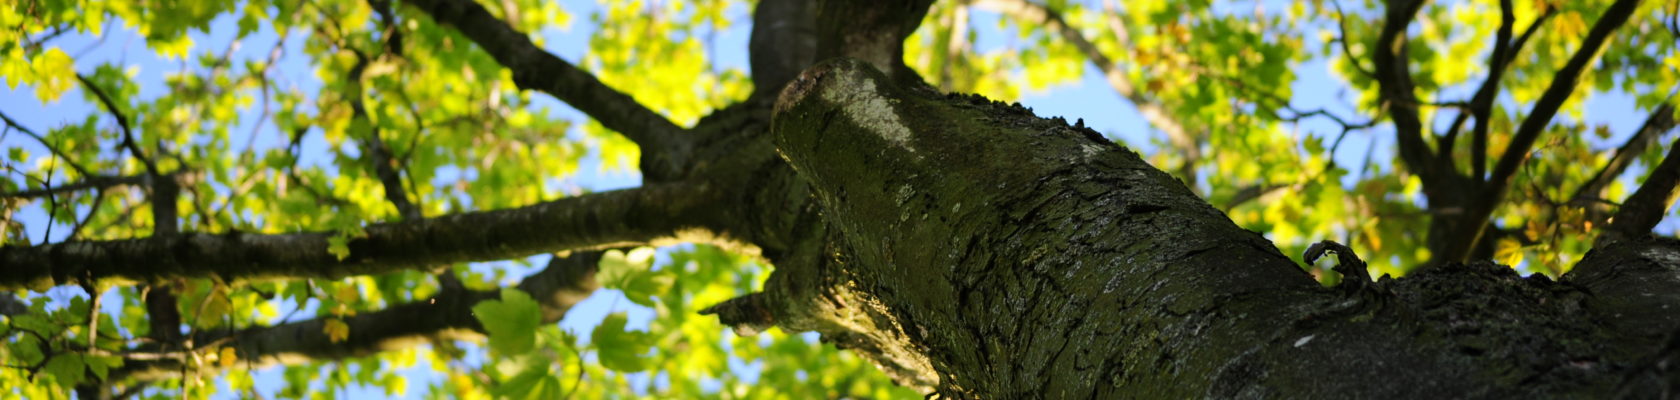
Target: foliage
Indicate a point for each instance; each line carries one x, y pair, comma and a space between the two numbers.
281, 139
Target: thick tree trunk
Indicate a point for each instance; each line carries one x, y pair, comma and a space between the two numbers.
982, 252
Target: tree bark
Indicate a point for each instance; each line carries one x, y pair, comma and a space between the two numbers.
984, 252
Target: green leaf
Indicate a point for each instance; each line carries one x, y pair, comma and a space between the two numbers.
101, 365
534, 383
26, 349
642, 286
616, 267
619, 349
67, 368
34, 323
511, 321
339, 246
630, 273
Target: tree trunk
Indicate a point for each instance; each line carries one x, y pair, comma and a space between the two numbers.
982, 252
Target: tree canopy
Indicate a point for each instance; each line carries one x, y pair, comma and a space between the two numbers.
540, 199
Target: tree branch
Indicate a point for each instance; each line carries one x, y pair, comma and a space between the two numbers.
11, 305
1152, 111
1341, 23
1556, 94
659, 213
1647, 205
1393, 74
122, 122
566, 281
783, 42
43, 140
92, 182
1481, 105
1661, 120
375, 152
663, 143
871, 30
1468, 226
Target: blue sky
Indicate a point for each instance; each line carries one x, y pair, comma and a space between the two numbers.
1090, 99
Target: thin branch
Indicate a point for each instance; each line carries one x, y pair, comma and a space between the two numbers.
1341, 20
1647, 205
1482, 102
1250, 193
1661, 120
1481, 105
1282, 103
93, 209
122, 122
1152, 111
43, 140
659, 213
92, 182
564, 282
34, 44
663, 143
375, 152
1558, 93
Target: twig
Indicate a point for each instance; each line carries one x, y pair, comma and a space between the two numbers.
122, 121
43, 140
1341, 20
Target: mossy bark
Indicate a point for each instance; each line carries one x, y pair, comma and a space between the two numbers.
979, 251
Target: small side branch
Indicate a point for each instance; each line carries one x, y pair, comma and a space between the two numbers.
128, 142
1661, 120
448, 315
1151, 110
92, 182
1647, 205
1481, 105
662, 142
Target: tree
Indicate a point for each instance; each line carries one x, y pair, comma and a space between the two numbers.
964, 246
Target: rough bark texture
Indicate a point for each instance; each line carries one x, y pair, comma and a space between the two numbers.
1021, 257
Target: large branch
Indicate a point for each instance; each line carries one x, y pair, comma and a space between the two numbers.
870, 30
784, 42
1470, 224
663, 142
448, 315
650, 214
1151, 110
1394, 76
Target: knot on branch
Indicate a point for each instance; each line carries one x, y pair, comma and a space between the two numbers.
747, 315
1354, 274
